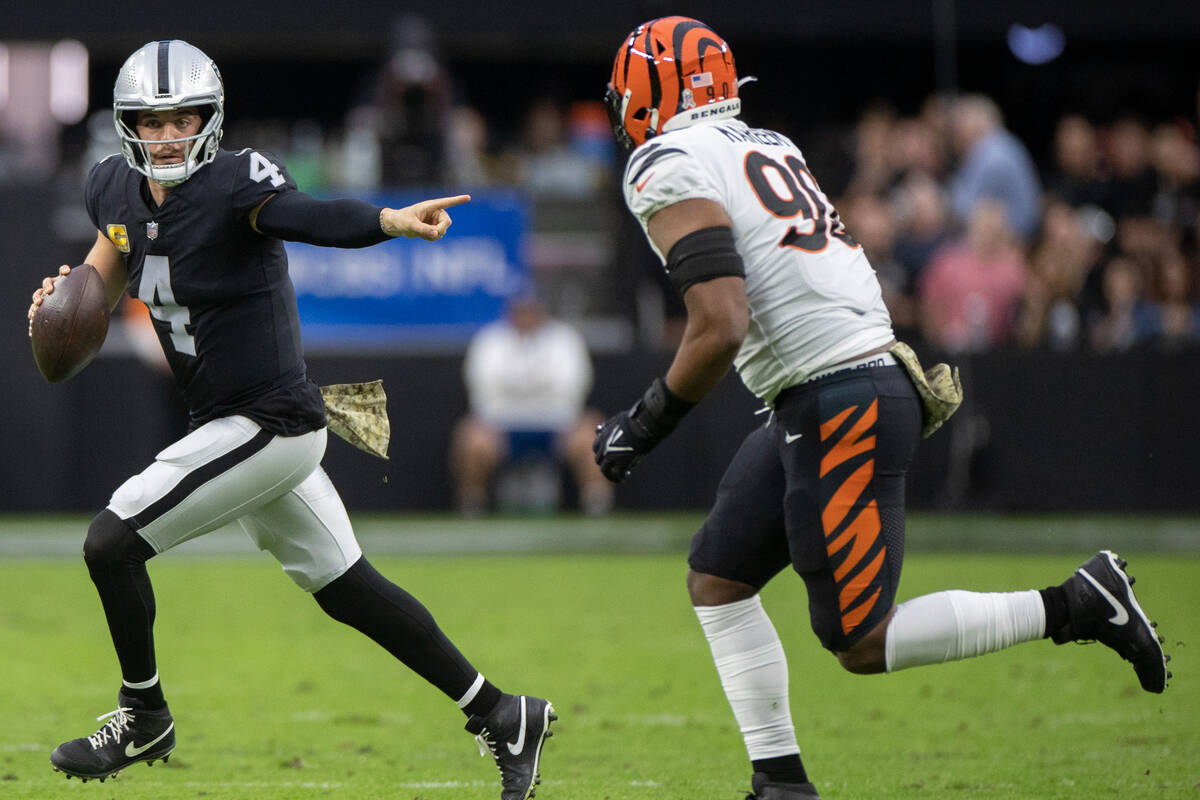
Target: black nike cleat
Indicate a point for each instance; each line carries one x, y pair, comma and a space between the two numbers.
765, 790
513, 733
1103, 608
131, 734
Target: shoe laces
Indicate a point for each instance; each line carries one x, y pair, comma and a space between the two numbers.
487, 743
111, 730
487, 746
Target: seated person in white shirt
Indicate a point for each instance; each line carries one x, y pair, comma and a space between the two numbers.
527, 377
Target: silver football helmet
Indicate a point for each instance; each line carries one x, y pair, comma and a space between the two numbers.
162, 76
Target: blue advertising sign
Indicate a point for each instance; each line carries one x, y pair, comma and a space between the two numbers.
409, 292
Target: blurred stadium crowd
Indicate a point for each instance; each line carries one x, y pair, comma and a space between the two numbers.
978, 244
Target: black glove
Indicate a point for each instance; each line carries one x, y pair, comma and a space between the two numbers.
625, 438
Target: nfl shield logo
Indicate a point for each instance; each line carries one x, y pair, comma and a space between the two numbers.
151, 230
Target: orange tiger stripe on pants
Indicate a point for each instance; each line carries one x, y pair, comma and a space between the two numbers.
850, 542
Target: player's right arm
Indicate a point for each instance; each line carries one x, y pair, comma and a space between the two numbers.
298, 217
703, 263
107, 260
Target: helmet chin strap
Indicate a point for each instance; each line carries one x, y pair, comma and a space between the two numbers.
169, 174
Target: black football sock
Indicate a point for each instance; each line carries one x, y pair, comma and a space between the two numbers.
1058, 616
369, 602
782, 769
150, 697
116, 559
481, 703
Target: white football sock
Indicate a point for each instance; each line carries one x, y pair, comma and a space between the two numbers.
947, 626
753, 671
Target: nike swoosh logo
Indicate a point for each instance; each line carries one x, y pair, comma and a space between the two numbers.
1119, 618
132, 750
645, 180
611, 444
791, 437
516, 748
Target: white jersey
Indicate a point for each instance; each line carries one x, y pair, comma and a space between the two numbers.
536, 380
813, 296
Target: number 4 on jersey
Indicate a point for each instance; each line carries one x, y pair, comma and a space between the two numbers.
261, 168
155, 291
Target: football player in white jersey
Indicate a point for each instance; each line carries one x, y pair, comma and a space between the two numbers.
775, 286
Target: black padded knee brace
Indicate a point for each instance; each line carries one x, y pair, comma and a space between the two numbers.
111, 543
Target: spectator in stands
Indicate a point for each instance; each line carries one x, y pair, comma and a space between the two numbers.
468, 164
1172, 317
970, 291
1176, 160
545, 164
916, 147
527, 379
1128, 155
409, 105
922, 224
872, 171
1077, 177
870, 220
1121, 325
994, 165
1063, 256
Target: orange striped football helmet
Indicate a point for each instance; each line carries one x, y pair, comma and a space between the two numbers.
670, 73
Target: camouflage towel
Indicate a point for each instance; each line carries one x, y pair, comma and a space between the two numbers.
939, 387
358, 413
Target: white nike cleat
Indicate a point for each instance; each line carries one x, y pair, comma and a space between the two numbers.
1103, 608
513, 734
129, 735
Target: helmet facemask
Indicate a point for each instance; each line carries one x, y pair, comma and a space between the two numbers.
165, 76
199, 149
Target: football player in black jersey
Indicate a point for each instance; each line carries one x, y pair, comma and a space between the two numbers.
196, 232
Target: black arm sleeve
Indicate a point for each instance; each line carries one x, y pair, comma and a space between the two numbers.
298, 217
703, 255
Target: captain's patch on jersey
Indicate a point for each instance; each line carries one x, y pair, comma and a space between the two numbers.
119, 236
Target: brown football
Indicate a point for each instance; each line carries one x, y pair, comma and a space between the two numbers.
70, 325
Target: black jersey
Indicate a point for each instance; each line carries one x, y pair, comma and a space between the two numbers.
219, 293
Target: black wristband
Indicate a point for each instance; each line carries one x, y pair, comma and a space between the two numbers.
660, 409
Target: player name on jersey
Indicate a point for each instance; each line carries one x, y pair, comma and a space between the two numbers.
758, 135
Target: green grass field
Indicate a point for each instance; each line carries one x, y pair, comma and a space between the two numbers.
273, 700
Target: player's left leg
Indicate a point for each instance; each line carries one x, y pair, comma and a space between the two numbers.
308, 531
1097, 603
866, 428
864, 456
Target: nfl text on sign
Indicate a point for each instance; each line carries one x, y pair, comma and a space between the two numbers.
70, 325
409, 291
